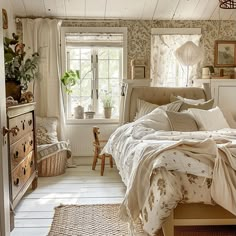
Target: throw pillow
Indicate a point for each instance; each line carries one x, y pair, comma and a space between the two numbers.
212, 119
182, 121
143, 108
46, 130
203, 106
174, 98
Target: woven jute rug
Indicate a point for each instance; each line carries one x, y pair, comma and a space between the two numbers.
90, 220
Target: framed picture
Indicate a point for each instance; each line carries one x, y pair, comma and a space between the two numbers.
225, 53
4, 19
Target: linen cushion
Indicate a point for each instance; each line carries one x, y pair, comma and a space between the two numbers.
212, 119
144, 108
157, 120
203, 106
182, 121
46, 130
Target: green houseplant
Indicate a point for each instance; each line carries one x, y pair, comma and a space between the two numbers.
69, 79
19, 71
108, 103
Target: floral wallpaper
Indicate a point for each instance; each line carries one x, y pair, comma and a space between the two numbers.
139, 35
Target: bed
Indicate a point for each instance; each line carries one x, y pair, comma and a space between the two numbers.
173, 178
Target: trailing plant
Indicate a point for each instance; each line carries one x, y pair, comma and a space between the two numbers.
69, 79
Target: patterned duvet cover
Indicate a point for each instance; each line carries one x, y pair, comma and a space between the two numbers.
164, 168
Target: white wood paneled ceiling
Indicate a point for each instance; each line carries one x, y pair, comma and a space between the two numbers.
124, 9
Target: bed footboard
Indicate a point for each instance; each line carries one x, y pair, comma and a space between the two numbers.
197, 215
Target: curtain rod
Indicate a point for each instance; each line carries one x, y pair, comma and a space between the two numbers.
18, 19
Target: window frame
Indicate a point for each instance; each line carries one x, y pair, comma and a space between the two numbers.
64, 31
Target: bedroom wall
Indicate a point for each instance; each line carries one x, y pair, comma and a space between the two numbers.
5, 4
139, 35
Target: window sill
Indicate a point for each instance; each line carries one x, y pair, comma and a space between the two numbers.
92, 121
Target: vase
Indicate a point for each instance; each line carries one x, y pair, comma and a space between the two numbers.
13, 89
107, 112
79, 112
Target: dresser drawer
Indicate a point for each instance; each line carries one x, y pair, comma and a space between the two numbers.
20, 149
22, 173
24, 123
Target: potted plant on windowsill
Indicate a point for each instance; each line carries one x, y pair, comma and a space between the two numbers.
107, 104
18, 70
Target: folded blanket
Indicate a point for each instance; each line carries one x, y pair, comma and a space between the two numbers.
46, 150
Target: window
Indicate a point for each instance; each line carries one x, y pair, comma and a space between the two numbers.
99, 56
165, 68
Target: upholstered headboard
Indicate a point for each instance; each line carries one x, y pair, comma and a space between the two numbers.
158, 95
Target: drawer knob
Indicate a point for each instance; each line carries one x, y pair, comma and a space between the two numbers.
30, 122
23, 124
31, 142
24, 170
13, 130
16, 154
31, 163
24, 148
17, 181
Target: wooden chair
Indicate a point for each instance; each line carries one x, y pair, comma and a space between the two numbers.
97, 150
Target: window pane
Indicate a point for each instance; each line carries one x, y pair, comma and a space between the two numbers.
85, 71
114, 53
103, 85
85, 85
114, 68
102, 53
103, 69
74, 53
74, 64
86, 53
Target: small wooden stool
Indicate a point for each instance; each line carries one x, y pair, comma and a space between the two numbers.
97, 150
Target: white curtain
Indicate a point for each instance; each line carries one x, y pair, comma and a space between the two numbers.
43, 36
165, 68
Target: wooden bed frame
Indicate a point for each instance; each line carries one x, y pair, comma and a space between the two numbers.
184, 214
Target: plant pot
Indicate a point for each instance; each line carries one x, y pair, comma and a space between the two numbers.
107, 112
13, 89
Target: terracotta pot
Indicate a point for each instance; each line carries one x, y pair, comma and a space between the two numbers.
13, 89
107, 112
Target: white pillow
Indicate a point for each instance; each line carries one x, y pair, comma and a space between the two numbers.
191, 101
229, 118
143, 108
156, 120
212, 119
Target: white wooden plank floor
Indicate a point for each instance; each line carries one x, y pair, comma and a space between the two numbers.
80, 185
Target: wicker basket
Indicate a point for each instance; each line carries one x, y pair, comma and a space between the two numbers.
53, 165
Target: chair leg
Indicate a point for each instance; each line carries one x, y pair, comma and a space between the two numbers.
103, 164
111, 162
94, 160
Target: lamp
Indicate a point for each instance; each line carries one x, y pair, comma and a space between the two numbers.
189, 54
227, 4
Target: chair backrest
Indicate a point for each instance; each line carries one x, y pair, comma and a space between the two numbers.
96, 137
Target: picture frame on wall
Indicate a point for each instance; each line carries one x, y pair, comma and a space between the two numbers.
225, 53
4, 19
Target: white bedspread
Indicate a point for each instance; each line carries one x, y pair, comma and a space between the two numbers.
139, 150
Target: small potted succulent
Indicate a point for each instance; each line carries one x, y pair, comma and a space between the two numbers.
19, 71
107, 102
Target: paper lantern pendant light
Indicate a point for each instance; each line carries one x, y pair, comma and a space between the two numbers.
189, 54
